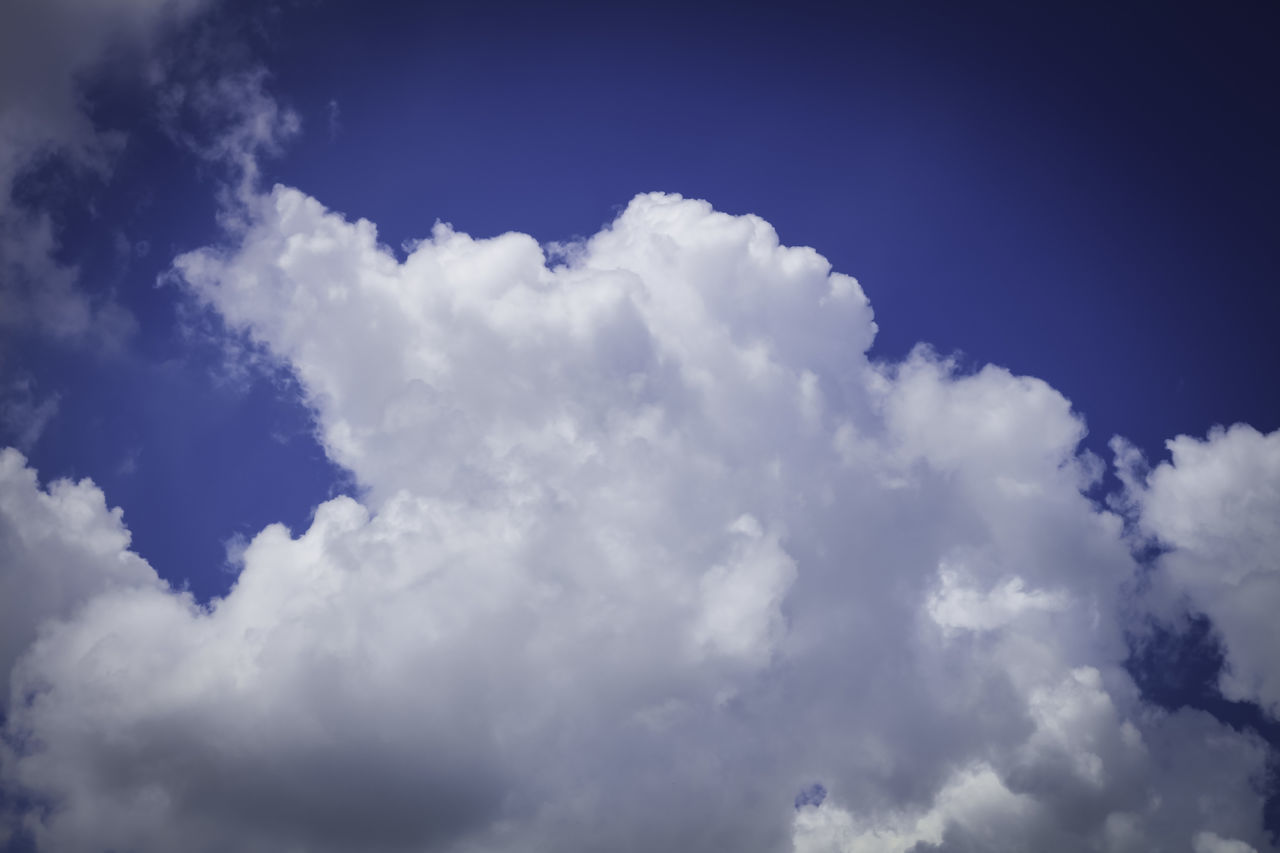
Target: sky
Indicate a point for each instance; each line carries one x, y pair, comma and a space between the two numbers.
831, 428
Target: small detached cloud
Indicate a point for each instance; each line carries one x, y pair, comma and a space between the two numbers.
24, 412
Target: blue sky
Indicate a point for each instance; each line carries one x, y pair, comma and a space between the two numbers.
1082, 195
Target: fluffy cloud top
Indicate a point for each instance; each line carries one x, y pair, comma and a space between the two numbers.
1216, 505
61, 547
645, 546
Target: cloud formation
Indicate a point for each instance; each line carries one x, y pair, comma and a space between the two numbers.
46, 48
1216, 506
61, 546
646, 552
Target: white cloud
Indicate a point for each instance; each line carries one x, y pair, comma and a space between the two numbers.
1207, 842
1216, 503
741, 598
61, 546
957, 605
645, 546
1155, 803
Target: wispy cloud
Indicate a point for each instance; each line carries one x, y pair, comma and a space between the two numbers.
45, 47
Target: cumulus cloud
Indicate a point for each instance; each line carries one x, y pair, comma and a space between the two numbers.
61, 547
644, 547
1216, 505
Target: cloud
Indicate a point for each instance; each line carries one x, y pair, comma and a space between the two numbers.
1207, 842
224, 112
41, 295
61, 546
46, 48
646, 552
23, 413
1154, 802
46, 44
1216, 505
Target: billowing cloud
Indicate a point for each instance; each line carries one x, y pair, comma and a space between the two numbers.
61, 547
645, 549
1216, 506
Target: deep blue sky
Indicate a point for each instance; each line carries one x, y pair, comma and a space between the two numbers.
1084, 195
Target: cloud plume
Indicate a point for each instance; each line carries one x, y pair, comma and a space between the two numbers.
645, 552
